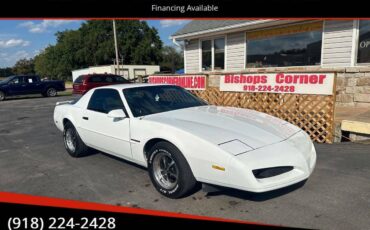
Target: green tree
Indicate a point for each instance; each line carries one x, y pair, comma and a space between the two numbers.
47, 64
24, 66
6, 72
93, 44
171, 59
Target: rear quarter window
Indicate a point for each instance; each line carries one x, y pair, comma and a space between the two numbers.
96, 79
120, 79
30, 79
109, 79
105, 100
79, 80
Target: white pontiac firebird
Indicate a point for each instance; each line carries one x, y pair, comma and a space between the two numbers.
182, 140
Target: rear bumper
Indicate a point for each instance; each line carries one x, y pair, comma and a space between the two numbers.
80, 92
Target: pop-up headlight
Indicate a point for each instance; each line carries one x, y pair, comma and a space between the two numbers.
235, 147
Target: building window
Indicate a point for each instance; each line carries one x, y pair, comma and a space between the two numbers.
207, 55
298, 45
213, 54
363, 48
219, 58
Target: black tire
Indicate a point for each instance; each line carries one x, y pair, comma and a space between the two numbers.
185, 182
2, 96
80, 149
51, 92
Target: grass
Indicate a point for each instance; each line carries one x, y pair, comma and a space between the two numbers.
68, 92
69, 84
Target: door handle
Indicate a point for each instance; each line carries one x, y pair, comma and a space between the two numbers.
85, 118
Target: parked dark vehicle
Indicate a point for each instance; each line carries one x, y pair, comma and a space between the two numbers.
29, 84
89, 81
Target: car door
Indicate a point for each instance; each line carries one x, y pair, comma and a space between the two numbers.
102, 132
32, 84
17, 86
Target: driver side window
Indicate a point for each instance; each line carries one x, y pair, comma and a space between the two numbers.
105, 100
16, 80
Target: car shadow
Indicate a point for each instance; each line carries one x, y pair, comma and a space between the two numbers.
221, 191
93, 152
258, 197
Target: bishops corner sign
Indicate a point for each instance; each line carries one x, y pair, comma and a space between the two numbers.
296, 83
189, 82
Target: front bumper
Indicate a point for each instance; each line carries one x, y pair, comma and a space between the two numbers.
297, 151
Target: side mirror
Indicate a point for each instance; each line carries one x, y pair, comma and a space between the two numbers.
117, 114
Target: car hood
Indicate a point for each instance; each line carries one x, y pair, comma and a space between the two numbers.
218, 125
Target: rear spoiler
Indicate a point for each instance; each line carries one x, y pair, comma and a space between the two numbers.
63, 102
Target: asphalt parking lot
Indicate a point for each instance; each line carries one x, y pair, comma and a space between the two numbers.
33, 161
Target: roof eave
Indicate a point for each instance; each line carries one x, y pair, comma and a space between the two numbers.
233, 28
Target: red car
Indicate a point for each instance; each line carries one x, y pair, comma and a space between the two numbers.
89, 81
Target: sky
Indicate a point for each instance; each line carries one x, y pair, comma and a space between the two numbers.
26, 38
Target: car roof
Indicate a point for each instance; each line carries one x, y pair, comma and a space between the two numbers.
24, 75
128, 86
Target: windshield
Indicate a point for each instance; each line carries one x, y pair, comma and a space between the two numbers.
157, 99
7, 79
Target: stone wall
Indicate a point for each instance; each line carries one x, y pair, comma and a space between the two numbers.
353, 88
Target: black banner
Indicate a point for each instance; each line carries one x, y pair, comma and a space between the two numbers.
21, 211
183, 9
18, 216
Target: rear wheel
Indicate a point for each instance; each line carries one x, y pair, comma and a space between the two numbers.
72, 141
2, 96
169, 171
51, 92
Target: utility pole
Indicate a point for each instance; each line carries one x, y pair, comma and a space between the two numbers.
116, 46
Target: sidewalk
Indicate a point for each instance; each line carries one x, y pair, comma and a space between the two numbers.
352, 113
355, 121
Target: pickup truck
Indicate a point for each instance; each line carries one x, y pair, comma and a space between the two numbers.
29, 84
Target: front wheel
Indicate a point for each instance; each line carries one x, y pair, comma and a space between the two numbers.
169, 171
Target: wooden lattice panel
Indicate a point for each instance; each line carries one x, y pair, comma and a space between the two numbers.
312, 113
